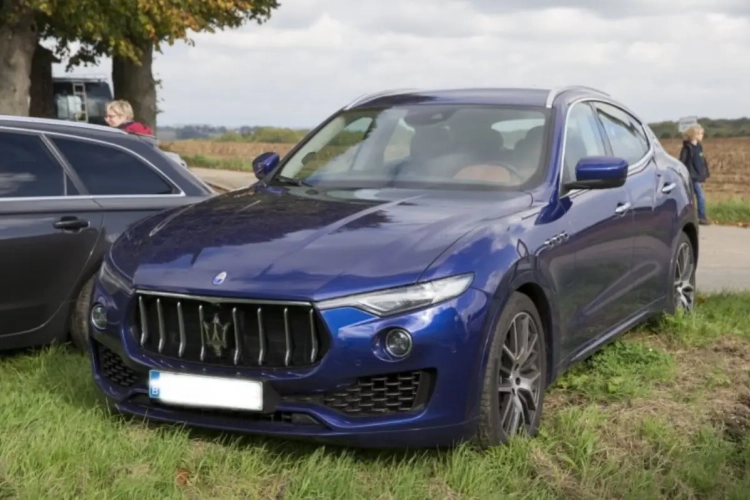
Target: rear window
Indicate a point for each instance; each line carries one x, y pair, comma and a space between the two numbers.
110, 171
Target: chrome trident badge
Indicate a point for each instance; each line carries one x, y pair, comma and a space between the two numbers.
214, 335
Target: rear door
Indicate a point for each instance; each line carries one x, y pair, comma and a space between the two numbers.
47, 233
125, 184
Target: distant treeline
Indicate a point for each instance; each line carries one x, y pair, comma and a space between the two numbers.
275, 135
739, 127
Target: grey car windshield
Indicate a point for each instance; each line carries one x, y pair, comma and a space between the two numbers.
426, 145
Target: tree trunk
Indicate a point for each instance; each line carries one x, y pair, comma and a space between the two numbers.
42, 91
17, 43
135, 83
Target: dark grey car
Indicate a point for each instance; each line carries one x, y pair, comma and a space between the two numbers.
67, 191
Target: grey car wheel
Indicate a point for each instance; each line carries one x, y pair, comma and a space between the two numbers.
682, 296
515, 377
79, 324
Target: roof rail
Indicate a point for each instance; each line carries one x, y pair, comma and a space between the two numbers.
557, 91
368, 97
59, 122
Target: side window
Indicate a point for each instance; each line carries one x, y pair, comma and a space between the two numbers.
105, 170
625, 134
27, 168
582, 139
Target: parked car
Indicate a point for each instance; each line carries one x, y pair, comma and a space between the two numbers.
415, 272
67, 191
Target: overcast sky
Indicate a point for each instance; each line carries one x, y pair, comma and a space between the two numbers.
664, 58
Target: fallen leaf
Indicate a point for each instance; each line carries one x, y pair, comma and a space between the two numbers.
183, 477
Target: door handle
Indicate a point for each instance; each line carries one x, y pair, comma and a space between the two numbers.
622, 209
667, 188
71, 223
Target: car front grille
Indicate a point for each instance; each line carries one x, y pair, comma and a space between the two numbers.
230, 332
383, 394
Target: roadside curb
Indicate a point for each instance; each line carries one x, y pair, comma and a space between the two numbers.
224, 180
218, 187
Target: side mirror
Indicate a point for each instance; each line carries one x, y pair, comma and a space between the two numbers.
599, 172
264, 163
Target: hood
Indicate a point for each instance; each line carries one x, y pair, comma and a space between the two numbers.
301, 243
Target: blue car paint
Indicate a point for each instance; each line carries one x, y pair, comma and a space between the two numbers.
591, 273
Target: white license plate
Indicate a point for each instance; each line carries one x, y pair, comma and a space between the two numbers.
205, 392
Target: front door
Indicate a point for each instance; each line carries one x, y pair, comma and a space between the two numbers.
601, 233
601, 223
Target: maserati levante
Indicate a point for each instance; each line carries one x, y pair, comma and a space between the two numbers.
416, 272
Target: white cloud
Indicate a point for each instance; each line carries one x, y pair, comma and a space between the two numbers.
665, 59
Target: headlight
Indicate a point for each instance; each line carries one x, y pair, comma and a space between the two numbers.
112, 281
399, 300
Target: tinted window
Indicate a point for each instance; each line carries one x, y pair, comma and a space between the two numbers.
625, 134
27, 168
106, 170
582, 139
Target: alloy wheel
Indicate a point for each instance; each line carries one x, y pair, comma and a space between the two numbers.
520, 375
684, 289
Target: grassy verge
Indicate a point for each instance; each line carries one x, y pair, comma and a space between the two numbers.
664, 412
222, 164
733, 212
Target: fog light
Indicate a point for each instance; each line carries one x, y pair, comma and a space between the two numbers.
398, 343
99, 317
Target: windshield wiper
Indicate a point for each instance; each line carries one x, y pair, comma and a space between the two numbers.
289, 181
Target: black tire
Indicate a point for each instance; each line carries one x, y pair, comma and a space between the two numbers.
682, 280
493, 429
79, 321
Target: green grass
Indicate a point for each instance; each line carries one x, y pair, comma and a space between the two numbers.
221, 164
662, 413
729, 212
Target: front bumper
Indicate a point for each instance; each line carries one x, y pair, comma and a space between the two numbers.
353, 396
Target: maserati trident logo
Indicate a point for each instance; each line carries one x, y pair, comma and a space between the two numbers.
214, 334
219, 278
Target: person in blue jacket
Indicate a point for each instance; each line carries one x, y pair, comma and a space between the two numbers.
693, 158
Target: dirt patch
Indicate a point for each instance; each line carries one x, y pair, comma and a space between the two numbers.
729, 162
736, 421
244, 151
732, 347
439, 489
703, 392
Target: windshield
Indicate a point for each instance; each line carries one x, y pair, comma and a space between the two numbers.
426, 145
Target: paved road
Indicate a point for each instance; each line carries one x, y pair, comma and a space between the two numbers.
724, 260
226, 180
724, 257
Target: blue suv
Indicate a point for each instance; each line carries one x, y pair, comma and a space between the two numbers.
415, 272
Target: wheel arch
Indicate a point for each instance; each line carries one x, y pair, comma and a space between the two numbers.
537, 295
692, 233
531, 284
